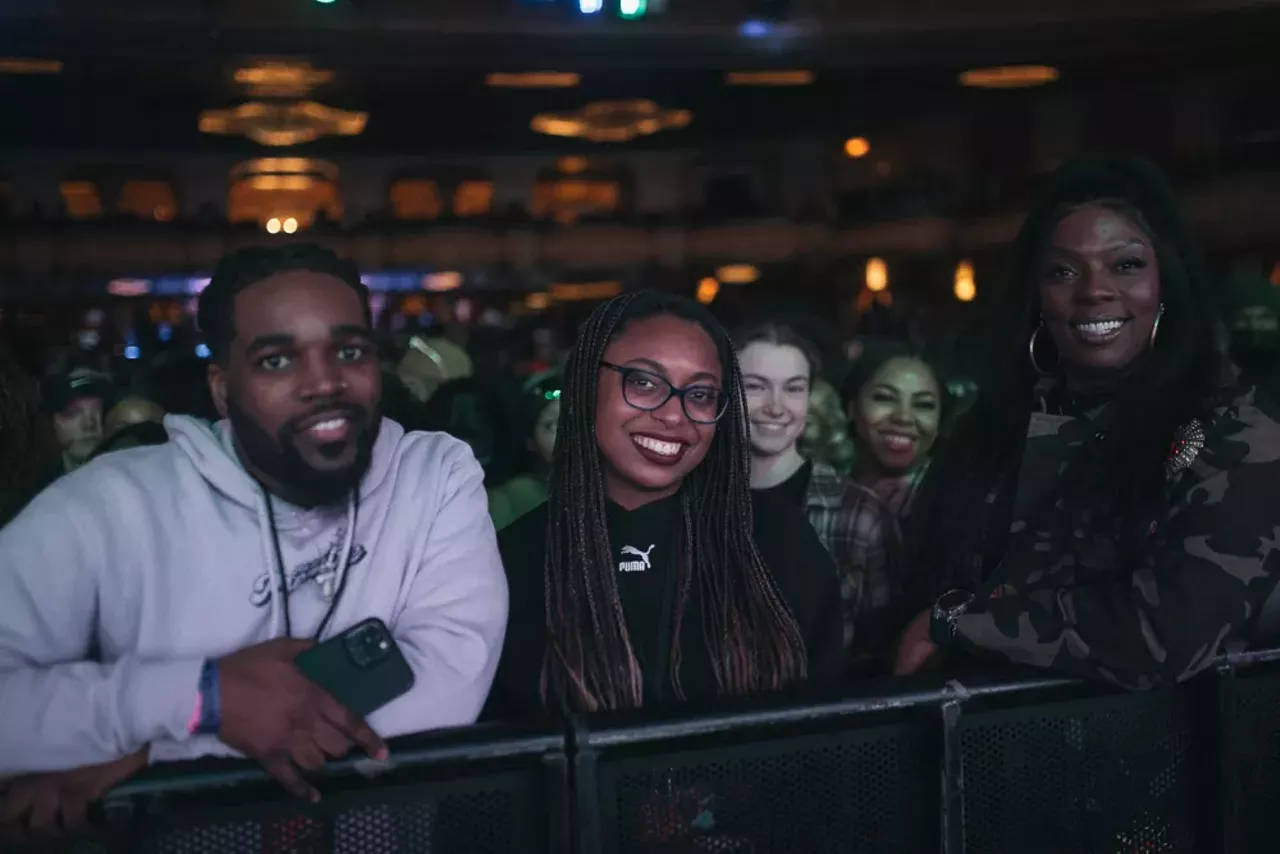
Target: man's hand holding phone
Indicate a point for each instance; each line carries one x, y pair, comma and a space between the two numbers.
273, 713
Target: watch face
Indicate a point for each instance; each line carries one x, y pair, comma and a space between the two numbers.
954, 599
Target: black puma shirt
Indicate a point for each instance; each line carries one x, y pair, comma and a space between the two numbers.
645, 550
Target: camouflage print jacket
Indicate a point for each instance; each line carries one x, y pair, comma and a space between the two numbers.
1158, 611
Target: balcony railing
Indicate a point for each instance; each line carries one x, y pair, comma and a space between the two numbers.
1041, 764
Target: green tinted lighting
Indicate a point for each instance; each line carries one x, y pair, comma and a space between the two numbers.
632, 8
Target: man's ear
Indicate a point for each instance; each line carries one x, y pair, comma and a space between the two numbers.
218, 388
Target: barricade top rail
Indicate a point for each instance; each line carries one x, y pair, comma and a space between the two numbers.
479, 743
689, 725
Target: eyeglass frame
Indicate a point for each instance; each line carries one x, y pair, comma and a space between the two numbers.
673, 390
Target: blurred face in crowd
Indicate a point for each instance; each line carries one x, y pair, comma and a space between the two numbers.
776, 380
301, 386
1099, 291
544, 431
79, 427
646, 455
896, 414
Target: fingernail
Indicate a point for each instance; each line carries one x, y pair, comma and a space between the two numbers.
382, 755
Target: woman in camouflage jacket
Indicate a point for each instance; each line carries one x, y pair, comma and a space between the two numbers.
1111, 505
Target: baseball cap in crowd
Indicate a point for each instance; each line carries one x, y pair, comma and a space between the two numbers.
61, 391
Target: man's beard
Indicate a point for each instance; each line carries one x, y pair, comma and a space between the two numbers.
278, 458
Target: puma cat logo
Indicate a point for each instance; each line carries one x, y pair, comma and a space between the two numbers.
634, 565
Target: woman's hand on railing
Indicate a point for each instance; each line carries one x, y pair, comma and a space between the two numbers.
44, 806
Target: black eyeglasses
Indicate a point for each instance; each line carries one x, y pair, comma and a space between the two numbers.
648, 391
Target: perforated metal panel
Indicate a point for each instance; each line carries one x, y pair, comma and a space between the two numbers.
502, 817
1257, 717
1114, 775
850, 792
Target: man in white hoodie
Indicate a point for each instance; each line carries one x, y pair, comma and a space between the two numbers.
199, 569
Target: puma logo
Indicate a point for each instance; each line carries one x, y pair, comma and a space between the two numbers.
634, 565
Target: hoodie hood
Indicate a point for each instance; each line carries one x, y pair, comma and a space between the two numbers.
211, 449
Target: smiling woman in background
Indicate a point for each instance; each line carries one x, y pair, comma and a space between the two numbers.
1108, 507
895, 404
643, 581
779, 368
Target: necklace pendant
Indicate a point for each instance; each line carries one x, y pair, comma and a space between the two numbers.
328, 582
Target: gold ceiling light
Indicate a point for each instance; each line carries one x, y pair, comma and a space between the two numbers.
794, 77
612, 121
279, 125
533, 80
1010, 77
284, 194
282, 79
856, 147
579, 291
738, 274
572, 165
24, 65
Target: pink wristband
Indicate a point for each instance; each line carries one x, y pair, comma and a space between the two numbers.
193, 725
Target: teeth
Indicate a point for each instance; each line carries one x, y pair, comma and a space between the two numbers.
770, 428
898, 443
667, 449
330, 424
1100, 327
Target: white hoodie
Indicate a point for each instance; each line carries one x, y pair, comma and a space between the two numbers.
161, 557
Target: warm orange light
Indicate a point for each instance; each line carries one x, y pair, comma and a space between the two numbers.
708, 288
1275, 275
534, 80
447, 280
857, 147
273, 225
585, 291
877, 274
1010, 77
965, 287
737, 274
537, 302
23, 65
572, 165
794, 77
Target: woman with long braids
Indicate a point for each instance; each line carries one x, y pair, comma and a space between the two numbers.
1109, 506
643, 581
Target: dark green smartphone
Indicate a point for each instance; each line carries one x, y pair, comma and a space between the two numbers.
362, 668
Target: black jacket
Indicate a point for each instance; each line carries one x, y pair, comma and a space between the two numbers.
645, 543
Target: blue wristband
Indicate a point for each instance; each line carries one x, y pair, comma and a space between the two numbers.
210, 699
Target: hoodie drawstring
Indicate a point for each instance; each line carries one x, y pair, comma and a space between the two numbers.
275, 571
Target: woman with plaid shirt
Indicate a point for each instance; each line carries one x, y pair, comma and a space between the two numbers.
855, 526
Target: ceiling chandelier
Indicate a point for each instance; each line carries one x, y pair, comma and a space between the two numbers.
279, 125
282, 115
612, 121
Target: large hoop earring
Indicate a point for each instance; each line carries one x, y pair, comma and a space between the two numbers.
1155, 327
1031, 351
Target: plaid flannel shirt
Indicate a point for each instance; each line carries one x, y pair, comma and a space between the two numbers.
863, 537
